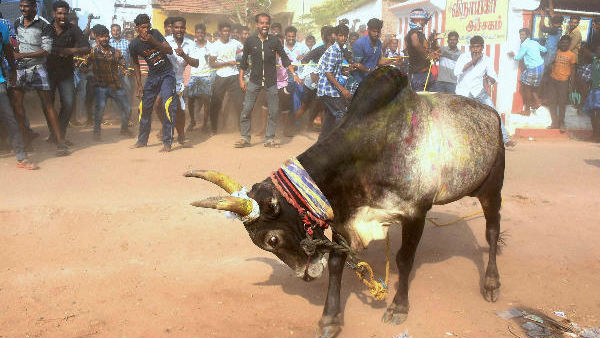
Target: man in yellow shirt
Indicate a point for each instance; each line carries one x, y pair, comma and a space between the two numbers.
575, 35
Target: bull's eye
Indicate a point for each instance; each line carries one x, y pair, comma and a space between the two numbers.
273, 242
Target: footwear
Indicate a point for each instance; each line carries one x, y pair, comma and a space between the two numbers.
510, 144
165, 149
107, 123
272, 144
62, 150
27, 164
97, 137
242, 144
126, 133
137, 145
69, 143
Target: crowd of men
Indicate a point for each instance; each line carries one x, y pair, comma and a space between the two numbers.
292, 81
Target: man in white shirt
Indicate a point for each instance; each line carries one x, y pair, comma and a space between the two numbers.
222, 57
201, 79
183, 55
471, 70
295, 51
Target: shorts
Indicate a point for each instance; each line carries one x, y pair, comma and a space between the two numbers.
285, 100
308, 95
201, 85
32, 78
533, 76
557, 92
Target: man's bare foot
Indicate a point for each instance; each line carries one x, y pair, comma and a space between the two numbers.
165, 149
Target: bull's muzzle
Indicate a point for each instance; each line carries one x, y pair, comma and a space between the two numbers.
239, 203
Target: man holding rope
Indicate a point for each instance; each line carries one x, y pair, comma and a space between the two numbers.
418, 51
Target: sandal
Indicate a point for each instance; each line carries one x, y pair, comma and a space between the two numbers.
272, 144
242, 144
26, 164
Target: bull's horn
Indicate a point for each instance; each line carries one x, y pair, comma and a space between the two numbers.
241, 206
227, 183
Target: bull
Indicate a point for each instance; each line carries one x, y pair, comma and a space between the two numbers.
395, 154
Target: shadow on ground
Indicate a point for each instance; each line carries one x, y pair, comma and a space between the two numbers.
437, 245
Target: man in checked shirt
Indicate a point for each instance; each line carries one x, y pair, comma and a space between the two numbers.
106, 62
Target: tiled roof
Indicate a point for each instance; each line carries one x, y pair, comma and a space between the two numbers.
198, 6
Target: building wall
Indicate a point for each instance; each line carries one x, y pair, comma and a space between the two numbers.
363, 13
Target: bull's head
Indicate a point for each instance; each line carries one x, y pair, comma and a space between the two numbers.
272, 223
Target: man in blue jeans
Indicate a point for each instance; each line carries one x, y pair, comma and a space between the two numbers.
108, 65
68, 42
331, 92
261, 49
7, 116
153, 48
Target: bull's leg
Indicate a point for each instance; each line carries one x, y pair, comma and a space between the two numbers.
331, 321
491, 208
411, 235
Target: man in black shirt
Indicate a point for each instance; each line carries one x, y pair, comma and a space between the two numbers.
152, 46
68, 42
262, 49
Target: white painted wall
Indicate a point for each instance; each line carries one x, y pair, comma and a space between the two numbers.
364, 13
106, 10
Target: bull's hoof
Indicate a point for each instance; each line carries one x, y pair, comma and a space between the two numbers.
491, 295
491, 289
330, 326
395, 315
328, 331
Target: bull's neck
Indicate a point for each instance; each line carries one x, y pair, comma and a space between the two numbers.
324, 162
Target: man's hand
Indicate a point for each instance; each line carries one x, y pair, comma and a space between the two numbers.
232, 63
179, 51
297, 79
17, 55
511, 54
346, 93
139, 92
475, 57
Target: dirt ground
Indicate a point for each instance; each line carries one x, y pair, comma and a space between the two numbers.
104, 243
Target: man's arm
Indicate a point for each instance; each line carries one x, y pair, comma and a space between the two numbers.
81, 46
137, 73
121, 63
8, 50
285, 61
244, 64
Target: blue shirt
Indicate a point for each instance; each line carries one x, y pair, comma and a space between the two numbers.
366, 54
123, 46
5, 40
530, 53
331, 62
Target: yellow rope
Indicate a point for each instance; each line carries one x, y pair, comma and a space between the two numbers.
377, 289
454, 221
428, 73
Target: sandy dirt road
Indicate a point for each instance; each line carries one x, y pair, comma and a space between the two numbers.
104, 243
